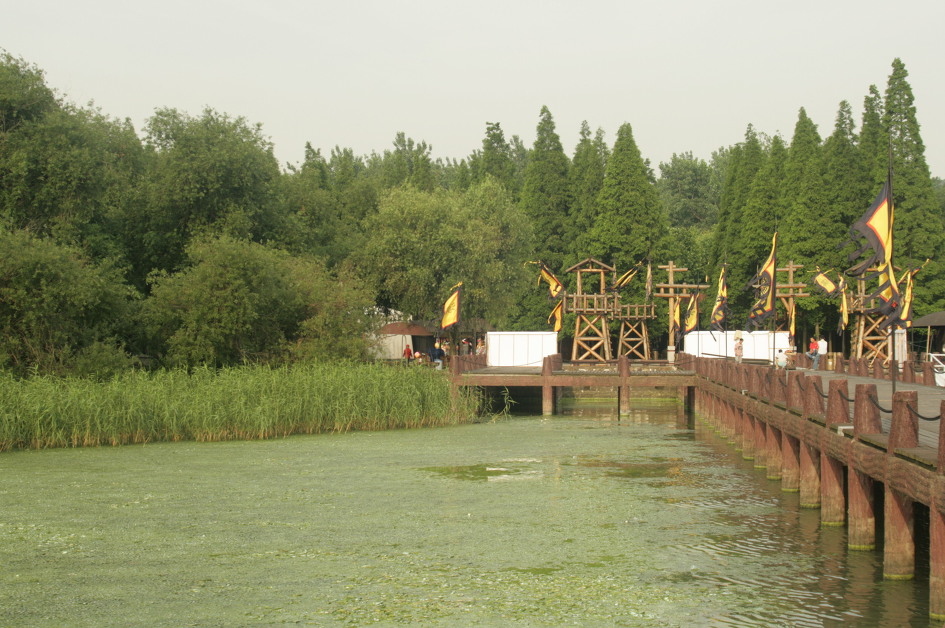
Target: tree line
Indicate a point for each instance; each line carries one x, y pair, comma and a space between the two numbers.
189, 244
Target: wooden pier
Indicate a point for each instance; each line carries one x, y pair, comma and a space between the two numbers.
833, 445
554, 375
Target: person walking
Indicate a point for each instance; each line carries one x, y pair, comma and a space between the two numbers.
739, 350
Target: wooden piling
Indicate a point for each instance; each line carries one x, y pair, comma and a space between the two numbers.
790, 463
773, 453
861, 529
899, 524
809, 476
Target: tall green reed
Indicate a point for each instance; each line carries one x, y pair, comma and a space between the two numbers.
234, 403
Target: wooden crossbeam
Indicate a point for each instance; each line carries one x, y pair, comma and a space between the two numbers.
634, 339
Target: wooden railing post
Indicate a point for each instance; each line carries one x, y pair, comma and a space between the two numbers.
904, 431
838, 408
865, 413
813, 401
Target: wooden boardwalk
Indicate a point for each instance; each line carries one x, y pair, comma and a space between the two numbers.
930, 400
554, 375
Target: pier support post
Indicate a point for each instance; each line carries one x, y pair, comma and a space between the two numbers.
747, 435
809, 476
623, 370
773, 453
861, 531
832, 503
936, 563
790, 463
899, 537
547, 389
761, 445
899, 523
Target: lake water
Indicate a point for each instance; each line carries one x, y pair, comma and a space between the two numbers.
578, 519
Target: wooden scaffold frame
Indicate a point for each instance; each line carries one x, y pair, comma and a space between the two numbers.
674, 292
591, 329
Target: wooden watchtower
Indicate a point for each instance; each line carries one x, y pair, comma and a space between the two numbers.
675, 293
870, 341
591, 332
788, 293
634, 334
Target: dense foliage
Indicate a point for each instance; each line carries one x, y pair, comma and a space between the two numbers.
189, 244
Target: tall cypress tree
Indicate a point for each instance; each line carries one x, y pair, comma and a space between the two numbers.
918, 226
631, 223
546, 194
847, 178
744, 162
495, 158
586, 178
873, 142
760, 216
808, 231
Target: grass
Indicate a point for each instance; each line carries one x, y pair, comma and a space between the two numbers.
236, 403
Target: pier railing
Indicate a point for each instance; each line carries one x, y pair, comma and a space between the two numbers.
803, 394
910, 371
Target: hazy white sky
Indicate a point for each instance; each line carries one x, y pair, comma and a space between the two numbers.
687, 75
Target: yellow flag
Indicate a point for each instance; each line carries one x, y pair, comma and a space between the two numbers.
451, 307
692, 313
556, 315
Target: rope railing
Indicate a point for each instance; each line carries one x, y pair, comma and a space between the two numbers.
875, 402
844, 397
915, 413
819, 390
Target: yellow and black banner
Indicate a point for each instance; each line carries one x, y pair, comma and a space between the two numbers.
765, 288
720, 310
556, 315
876, 226
451, 308
624, 280
692, 314
825, 283
554, 286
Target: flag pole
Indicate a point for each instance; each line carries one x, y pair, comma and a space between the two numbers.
892, 277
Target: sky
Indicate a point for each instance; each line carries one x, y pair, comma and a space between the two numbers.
686, 75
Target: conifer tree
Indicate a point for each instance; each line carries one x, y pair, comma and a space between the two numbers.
918, 226
759, 219
586, 178
847, 179
873, 142
744, 162
808, 232
631, 224
546, 195
495, 158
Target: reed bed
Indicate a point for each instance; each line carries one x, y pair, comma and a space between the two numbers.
236, 403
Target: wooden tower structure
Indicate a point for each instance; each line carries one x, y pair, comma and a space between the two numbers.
870, 341
593, 309
675, 292
787, 293
634, 339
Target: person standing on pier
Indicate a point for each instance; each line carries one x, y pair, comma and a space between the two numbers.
739, 350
